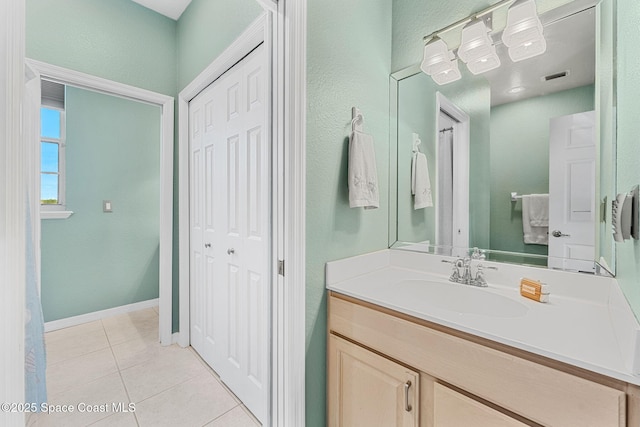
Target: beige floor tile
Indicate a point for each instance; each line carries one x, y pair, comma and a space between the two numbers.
173, 365
237, 417
76, 341
132, 325
79, 370
121, 419
91, 402
136, 351
192, 403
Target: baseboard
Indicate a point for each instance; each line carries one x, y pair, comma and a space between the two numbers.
175, 338
98, 315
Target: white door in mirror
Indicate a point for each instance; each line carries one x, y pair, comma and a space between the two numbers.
572, 180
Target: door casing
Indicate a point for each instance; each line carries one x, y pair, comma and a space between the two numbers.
282, 29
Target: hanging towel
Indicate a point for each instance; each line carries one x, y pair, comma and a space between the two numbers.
539, 210
420, 183
363, 174
532, 235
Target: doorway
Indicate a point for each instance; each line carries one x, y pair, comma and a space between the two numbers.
452, 177
230, 249
92, 84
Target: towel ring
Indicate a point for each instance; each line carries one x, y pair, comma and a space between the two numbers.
416, 141
357, 119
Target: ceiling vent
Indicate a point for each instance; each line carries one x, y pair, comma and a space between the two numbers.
555, 76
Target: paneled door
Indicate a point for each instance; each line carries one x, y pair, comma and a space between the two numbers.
230, 202
572, 191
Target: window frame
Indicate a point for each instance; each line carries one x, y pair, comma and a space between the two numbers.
58, 210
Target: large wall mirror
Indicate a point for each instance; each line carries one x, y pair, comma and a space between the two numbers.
498, 143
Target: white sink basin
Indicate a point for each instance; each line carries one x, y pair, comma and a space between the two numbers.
463, 299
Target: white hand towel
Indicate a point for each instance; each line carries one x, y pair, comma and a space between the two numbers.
363, 173
420, 183
532, 235
539, 210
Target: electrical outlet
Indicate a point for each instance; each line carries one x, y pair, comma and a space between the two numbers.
107, 207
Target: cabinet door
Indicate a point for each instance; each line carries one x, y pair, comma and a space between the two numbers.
452, 409
365, 389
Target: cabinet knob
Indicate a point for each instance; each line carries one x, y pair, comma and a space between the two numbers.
231, 251
207, 245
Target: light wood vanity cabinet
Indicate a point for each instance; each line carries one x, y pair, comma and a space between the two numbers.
369, 390
456, 379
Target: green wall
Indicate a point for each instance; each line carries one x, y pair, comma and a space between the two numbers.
417, 113
94, 260
628, 143
206, 29
520, 160
348, 64
114, 39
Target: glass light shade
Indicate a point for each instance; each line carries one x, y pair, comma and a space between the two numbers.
448, 75
475, 42
436, 56
528, 49
477, 49
523, 33
482, 65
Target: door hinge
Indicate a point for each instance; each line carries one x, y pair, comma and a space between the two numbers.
281, 267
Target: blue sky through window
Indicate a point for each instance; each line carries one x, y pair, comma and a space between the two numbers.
49, 128
50, 123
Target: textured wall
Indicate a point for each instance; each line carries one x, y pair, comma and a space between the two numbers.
348, 64
520, 160
205, 29
93, 260
115, 39
628, 156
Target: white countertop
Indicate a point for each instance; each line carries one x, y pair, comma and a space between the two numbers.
587, 322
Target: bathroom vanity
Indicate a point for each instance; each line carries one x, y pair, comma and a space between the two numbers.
406, 347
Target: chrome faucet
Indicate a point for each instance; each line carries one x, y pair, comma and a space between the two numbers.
466, 277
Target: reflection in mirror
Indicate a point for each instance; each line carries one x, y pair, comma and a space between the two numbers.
531, 130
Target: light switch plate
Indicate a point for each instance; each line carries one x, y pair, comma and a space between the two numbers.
107, 206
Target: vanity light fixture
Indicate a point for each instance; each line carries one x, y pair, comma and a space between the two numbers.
523, 33
477, 49
439, 62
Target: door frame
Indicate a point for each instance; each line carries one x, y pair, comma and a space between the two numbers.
282, 28
12, 209
461, 156
109, 87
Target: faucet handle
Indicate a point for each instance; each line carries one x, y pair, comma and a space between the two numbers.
477, 253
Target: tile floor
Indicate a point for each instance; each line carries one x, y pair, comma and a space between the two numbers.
119, 361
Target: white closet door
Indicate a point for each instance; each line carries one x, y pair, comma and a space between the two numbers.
232, 190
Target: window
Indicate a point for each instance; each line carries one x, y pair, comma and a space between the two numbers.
52, 149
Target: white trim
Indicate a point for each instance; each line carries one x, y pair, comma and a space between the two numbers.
12, 209
97, 84
284, 33
46, 214
269, 5
292, 112
54, 325
461, 176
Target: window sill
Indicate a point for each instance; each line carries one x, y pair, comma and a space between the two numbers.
55, 214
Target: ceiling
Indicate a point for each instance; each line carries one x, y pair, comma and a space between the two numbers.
169, 8
570, 48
